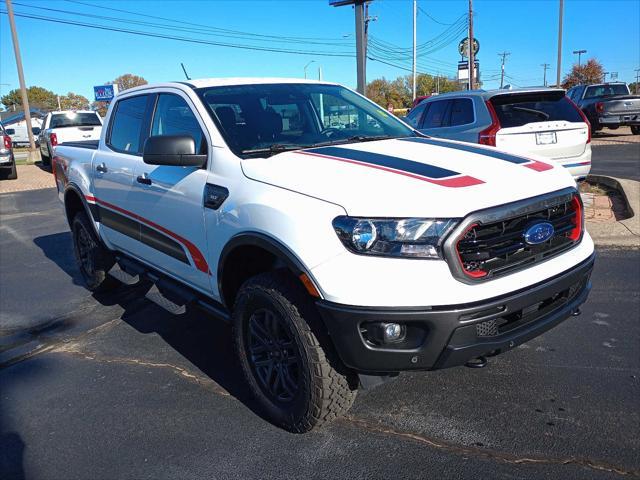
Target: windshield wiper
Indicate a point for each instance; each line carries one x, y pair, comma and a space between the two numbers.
354, 139
273, 149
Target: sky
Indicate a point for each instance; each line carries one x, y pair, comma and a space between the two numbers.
63, 57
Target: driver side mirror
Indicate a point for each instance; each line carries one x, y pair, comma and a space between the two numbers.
175, 150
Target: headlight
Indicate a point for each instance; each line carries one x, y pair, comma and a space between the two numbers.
406, 237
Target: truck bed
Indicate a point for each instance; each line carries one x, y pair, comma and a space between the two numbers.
88, 144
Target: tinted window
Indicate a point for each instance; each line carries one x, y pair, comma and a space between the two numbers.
36, 130
414, 115
606, 90
436, 115
174, 117
72, 119
11, 131
126, 124
461, 112
521, 109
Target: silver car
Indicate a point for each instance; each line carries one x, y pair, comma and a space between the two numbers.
541, 122
7, 160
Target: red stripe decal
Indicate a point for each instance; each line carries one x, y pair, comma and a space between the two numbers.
453, 182
198, 258
538, 166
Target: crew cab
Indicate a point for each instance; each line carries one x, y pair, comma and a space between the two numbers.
539, 122
67, 126
341, 255
608, 105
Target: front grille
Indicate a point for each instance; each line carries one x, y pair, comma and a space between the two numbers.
487, 250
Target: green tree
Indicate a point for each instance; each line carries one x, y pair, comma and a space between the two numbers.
399, 92
73, 101
38, 98
590, 72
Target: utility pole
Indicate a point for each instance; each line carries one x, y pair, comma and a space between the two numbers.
361, 41
604, 77
637, 70
579, 53
415, 18
23, 88
559, 67
438, 84
471, 59
546, 67
504, 55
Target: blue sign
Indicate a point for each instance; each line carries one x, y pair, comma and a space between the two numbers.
105, 93
539, 233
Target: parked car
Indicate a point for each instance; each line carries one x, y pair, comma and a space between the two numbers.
340, 256
419, 99
608, 105
19, 135
7, 160
67, 126
530, 122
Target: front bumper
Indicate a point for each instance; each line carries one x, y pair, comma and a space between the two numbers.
447, 336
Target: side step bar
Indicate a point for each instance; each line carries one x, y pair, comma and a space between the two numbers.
166, 292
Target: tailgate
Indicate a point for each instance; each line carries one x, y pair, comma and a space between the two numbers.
543, 122
622, 106
74, 134
548, 139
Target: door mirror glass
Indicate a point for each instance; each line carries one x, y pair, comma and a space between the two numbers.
176, 150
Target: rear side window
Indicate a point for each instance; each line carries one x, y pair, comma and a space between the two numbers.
174, 117
521, 109
126, 124
436, 116
73, 119
461, 112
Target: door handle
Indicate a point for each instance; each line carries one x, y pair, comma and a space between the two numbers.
102, 168
144, 179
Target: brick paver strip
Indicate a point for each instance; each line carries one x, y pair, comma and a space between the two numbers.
30, 177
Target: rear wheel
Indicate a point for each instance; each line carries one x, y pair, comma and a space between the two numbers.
635, 129
93, 258
13, 172
288, 363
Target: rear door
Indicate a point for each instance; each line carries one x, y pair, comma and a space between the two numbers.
168, 200
114, 165
542, 123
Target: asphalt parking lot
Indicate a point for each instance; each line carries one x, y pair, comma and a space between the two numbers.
112, 386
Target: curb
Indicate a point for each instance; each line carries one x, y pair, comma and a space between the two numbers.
624, 232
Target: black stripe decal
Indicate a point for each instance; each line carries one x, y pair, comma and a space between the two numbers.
138, 231
387, 161
469, 148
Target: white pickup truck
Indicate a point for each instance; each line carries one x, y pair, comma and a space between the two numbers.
67, 126
342, 245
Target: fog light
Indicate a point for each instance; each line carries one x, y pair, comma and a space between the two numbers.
392, 332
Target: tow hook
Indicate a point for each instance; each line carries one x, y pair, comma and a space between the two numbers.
577, 313
478, 362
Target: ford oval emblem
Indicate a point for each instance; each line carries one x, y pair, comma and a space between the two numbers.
538, 233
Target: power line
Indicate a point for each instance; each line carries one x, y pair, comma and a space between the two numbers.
437, 21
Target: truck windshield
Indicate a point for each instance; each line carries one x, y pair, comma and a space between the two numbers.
264, 119
73, 119
519, 109
606, 90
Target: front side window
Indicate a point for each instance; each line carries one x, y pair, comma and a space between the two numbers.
174, 117
461, 112
126, 124
415, 115
436, 116
268, 118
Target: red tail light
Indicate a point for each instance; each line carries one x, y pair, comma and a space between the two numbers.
488, 135
599, 107
584, 118
576, 233
7, 142
53, 138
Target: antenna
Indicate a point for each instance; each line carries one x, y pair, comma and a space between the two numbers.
185, 71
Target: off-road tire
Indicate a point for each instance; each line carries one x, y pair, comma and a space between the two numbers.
93, 258
635, 129
326, 389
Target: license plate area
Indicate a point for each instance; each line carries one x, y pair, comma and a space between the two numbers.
546, 138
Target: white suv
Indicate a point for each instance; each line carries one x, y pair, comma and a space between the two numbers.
343, 246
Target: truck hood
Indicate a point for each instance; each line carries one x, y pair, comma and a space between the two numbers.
411, 177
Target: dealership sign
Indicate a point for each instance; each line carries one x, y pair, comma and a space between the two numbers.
105, 93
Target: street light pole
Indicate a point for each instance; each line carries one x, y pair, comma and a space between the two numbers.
305, 67
546, 67
23, 88
579, 53
415, 15
361, 58
559, 66
471, 52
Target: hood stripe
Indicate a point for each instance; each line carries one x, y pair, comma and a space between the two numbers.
400, 166
507, 157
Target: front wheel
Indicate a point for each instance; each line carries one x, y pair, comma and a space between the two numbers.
288, 363
635, 129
